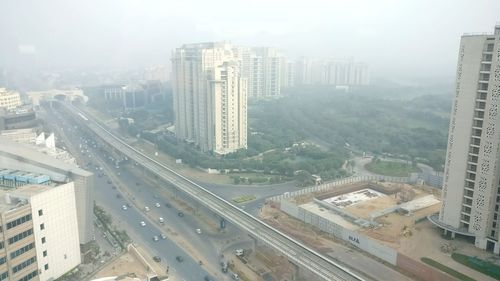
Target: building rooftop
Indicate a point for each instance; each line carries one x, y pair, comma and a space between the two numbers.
11, 199
5, 92
24, 152
22, 176
419, 203
353, 198
329, 215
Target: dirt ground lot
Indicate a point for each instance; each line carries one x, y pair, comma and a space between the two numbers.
394, 224
134, 263
123, 265
310, 236
427, 241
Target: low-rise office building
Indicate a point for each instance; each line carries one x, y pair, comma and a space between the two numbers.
39, 237
23, 157
9, 99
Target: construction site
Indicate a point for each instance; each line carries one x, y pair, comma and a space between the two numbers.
383, 219
380, 210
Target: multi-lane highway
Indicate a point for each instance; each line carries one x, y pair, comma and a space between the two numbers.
297, 252
112, 199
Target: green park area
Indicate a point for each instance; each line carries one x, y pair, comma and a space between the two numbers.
391, 168
312, 131
480, 265
244, 198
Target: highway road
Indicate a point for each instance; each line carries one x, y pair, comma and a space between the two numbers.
106, 195
297, 252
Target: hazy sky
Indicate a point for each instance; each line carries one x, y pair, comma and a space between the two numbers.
396, 37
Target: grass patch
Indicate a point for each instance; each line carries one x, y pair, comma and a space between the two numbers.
392, 169
480, 265
446, 269
244, 198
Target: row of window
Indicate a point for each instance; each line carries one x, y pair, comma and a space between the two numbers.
29, 276
3, 260
18, 221
22, 250
23, 265
2, 245
20, 236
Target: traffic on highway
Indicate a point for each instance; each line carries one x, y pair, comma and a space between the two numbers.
150, 219
296, 251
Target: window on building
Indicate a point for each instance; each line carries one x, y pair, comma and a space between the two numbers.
43, 240
23, 265
40, 212
29, 276
42, 226
18, 221
45, 253
46, 266
22, 250
4, 275
20, 236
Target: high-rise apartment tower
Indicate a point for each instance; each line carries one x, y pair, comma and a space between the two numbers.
210, 97
471, 185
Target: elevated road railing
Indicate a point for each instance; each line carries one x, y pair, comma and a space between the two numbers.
294, 250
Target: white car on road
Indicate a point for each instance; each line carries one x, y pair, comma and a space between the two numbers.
143, 223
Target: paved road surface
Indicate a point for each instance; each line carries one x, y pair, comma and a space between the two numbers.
130, 219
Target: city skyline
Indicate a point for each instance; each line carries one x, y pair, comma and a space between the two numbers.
257, 140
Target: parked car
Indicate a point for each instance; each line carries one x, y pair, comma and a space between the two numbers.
157, 259
179, 259
223, 266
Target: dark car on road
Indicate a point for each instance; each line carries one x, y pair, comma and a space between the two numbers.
179, 259
157, 259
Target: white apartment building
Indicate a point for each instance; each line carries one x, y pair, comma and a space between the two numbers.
40, 238
9, 99
210, 96
331, 72
262, 67
287, 73
471, 189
